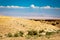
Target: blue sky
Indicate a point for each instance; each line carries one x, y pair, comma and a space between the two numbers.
53, 3
30, 8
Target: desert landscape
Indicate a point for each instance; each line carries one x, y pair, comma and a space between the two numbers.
29, 20
54, 22
12, 28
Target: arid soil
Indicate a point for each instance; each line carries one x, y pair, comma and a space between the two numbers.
12, 28
54, 22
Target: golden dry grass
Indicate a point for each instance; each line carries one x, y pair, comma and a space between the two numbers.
12, 25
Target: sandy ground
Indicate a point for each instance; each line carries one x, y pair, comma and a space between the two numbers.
54, 23
8, 24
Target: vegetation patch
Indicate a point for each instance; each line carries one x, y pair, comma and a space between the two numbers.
9, 35
32, 33
21, 33
41, 31
50, 33
16, 35
53, 24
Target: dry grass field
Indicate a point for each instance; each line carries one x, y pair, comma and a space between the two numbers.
54, 22
12, 28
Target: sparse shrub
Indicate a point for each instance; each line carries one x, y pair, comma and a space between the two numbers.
39, 35
41, 31
57, 23
0, 35
31, 33
53, 24
16, 35
28, 36
9, 35
58, 31
23, 25
21, 33
50, 33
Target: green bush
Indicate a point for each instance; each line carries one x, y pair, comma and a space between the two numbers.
16, 35
41, 31
50, 33
9, 35
21, 33
31, 33
58, 31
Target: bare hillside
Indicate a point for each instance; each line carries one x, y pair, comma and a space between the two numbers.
13, 25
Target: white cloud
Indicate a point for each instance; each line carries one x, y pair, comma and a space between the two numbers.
2, 6
16, 7
43, 7
31, 6
49, 7
12, 7
46, 7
